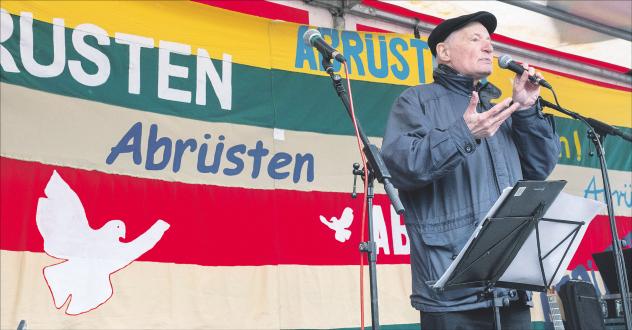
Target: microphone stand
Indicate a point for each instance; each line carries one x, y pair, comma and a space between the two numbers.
597, 132
376, 170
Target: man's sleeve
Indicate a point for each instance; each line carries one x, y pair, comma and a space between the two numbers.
415, 151
537, 142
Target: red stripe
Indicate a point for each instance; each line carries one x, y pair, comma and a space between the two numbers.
210, 225
557, 53
598, 238
263, 9
395, 9
435, 20
367, 28
588, 80
585, 80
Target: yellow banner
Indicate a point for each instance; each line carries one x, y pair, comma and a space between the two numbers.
374, 57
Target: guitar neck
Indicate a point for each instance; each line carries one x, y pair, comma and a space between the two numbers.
554, 310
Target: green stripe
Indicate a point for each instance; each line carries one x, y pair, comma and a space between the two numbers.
261, 97
252, 103
618, 155
310, 103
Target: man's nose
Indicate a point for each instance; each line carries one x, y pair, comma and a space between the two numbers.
488, 47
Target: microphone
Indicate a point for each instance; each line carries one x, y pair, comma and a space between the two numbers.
506, 62
313, 38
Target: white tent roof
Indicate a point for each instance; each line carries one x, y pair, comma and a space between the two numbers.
539, 29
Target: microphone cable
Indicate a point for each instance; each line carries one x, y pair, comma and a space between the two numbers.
365, 192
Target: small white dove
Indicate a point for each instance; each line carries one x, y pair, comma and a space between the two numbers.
340, 225
90, 256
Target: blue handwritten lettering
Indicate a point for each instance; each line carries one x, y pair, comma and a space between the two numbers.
277, 162
300, 160
385, 57
130, 142
153, 146
201, 163
382, 71
402, 73
161, 151
352, 51
420, 46
181, 147
257, 153
333, 38
303, 52
231, 156
619, 197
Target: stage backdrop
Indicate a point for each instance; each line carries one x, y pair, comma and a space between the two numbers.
176, 165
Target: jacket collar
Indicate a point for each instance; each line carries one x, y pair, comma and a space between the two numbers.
460, 84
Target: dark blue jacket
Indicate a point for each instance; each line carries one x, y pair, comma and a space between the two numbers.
448, 180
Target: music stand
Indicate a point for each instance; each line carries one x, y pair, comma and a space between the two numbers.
510, 236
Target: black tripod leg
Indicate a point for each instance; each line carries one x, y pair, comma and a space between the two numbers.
496, 318
497, 302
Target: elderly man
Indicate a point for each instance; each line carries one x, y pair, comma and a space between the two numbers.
451, 152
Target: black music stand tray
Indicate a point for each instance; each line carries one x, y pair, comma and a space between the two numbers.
512, 230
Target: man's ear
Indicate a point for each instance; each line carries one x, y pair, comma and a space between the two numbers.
443, 52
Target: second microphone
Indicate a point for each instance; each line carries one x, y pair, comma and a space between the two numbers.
313, 38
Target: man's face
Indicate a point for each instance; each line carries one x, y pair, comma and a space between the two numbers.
468, 51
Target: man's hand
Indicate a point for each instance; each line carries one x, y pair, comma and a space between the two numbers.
524, 91
486, 124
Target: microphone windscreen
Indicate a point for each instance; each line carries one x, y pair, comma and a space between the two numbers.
504, 60
308, 35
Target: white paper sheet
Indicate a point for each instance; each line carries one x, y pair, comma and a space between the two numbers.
525, 267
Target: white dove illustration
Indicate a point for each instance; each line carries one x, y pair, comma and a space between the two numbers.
91, 256
340, 225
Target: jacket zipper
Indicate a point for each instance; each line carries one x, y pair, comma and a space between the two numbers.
491, 157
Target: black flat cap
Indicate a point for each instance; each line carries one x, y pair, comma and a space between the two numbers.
443, 30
